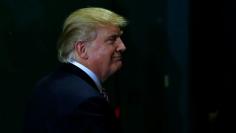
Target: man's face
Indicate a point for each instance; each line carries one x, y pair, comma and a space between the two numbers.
104, 53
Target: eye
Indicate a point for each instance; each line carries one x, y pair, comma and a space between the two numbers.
112, 39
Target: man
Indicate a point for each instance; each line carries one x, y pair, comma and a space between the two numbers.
71, 99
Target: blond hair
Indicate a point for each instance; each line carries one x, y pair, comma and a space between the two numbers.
81, 25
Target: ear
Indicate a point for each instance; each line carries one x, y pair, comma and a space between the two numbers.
81, 49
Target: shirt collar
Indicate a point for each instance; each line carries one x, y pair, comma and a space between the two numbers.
91, 74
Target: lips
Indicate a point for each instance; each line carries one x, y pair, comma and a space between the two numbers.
117, 57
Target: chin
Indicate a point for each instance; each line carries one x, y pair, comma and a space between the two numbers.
116, 67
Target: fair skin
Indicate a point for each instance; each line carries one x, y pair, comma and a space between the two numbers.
103, 55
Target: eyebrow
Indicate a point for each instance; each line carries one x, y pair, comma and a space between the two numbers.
118, 34
114, 35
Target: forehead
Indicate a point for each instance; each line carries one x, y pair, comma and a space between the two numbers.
109, 30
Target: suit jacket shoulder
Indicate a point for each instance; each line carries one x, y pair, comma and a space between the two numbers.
66, 87
68, 101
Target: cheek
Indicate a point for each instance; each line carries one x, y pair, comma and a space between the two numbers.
106, 56
103, 57
103, 60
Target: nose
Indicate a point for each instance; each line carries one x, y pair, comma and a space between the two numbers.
121, 46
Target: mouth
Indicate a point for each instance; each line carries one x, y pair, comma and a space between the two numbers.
117, 58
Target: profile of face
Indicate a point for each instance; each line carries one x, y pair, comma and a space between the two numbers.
104, 53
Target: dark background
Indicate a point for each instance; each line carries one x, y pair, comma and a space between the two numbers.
177, 67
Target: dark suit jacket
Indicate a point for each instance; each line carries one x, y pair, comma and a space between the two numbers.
68, 101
